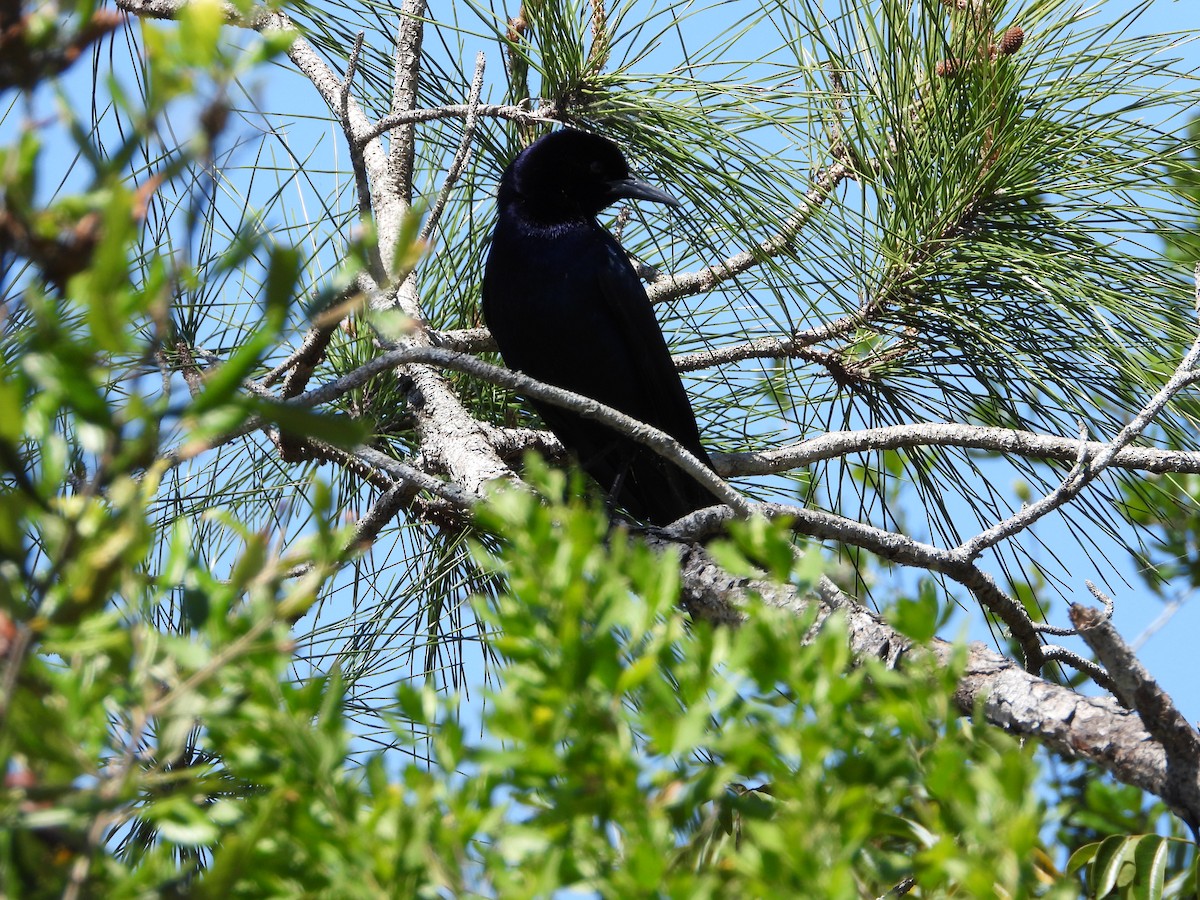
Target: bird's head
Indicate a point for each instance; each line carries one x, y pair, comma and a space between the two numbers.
568, 174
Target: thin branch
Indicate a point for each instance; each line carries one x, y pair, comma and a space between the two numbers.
644, 434
688, 284
464, 340
402, 472
1025, 444
1137, 690
796, 346
1095, 627
1090, 468
372, 523
303, 361
401, 484
457, 111
1097, 673
889, 545
358, 162
463, 154
836, 444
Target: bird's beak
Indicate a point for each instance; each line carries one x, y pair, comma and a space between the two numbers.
633, 189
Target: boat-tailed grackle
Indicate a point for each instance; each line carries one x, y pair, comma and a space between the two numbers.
566, 307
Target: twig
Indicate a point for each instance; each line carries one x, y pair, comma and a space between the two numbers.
798, 345
464, 340
401, 484
358, 162
463, 154
687, 284
457, 111
1088, 469
316, 342
1054, 653
369, 526
303, 361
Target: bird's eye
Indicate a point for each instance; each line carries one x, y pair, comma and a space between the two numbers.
596, 167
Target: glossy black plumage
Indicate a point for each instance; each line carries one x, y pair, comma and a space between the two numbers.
566, 307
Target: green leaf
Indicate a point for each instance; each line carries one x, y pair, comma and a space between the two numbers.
337, 429
918, 617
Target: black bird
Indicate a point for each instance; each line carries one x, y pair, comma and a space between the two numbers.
566, 307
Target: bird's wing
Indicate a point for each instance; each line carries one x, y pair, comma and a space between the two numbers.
567, 308
660, 399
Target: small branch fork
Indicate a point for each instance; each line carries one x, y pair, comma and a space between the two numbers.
460, 455
1136, 690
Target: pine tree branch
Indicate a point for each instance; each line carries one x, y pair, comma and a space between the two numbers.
889, 545
1012, 442
837, 444
1095, 729
1088, 469
674, 287
1138, 691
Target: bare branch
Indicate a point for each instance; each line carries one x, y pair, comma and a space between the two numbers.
1054, 653
458, 111
1137, 690
644, 434
402, 485
687, 284
889, 545
461, 157
362, 184
836, 444
303, 361
798, 345
401, 471
464, 340
1026, 444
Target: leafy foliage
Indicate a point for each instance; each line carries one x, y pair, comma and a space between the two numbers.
645, 757
626, 752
